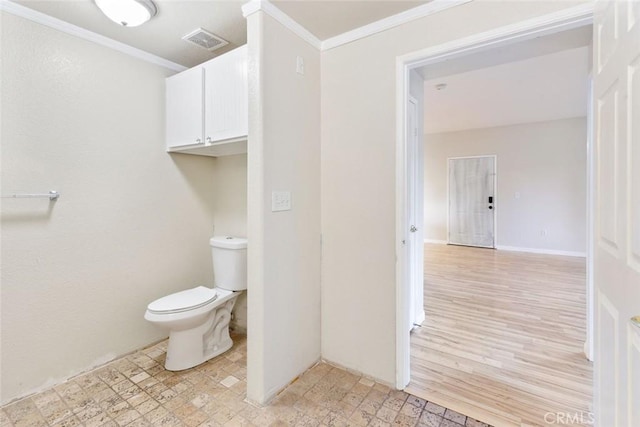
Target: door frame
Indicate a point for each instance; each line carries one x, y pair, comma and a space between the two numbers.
495, 197
417, 313
562, 20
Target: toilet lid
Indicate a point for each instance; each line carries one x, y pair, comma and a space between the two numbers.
183, 301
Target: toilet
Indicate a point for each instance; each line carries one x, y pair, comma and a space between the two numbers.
198, 318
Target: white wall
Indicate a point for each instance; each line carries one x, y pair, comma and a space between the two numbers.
284, 248
230, 214
358, 177
132, 223
230, 184
544, 162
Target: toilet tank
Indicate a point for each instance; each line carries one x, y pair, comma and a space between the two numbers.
229, 262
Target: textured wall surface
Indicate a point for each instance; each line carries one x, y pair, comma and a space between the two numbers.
133, 222
359, 177
541, 182
284, 252
230, 217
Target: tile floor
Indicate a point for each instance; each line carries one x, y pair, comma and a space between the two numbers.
137, 391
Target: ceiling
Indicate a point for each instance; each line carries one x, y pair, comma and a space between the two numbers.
162, 36
556, 42
326, 19
552, 86
542, 79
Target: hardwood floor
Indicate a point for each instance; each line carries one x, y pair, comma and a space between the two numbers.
503, 337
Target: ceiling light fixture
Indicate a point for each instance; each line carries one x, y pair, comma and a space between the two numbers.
441, 86
128, 13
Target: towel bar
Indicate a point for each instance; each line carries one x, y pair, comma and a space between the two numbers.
51, 195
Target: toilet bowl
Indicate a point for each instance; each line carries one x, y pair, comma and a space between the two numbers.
198, 318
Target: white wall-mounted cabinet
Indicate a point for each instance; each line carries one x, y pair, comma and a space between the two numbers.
226, 97
207, 107
185, 108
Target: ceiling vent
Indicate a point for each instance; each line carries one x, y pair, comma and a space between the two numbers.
205, 39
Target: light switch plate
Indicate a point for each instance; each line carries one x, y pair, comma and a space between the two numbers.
280, 201
300, 65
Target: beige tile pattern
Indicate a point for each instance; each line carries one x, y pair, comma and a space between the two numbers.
137, 391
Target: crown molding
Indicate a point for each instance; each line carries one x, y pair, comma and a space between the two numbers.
391, 22
267, 7
565, 19
430, 8
74, 30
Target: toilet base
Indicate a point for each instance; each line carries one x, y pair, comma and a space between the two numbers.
192, 347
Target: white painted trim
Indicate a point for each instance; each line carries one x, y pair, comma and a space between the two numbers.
436, 242
74, 30
422, 316
413, 217
390, 22
541, 251
356, 34
562, 20
547, 24
403, 298
589, 349
267, 7
471, 157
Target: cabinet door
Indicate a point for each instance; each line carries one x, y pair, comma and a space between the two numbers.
184, 109
226, 96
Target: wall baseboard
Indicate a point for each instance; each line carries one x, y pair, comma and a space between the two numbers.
541, 251
520, 249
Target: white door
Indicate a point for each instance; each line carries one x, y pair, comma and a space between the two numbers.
472, 201
184, 108
416, 213
226, 96
617, 217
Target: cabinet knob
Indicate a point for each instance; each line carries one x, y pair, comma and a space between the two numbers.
198, 141
209, 139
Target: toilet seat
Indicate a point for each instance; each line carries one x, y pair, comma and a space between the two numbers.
179, 302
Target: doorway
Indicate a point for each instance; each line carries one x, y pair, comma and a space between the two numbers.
438, 55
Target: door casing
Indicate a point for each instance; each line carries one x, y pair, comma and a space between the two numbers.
415, 184
563, 20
